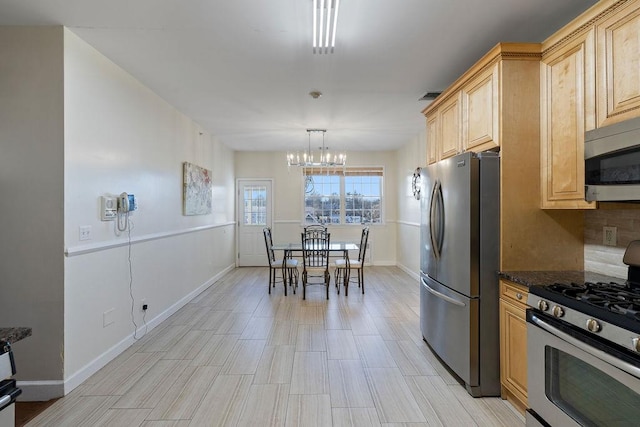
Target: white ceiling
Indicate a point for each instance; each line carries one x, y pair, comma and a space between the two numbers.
243, 69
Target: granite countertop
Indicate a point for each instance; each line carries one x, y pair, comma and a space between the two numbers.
13, 335
538, 278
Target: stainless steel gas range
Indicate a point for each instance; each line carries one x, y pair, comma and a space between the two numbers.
8, 389
584, 351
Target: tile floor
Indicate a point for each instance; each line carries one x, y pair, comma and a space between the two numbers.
238, 356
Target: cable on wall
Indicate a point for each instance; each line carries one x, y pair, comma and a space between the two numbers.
129, 226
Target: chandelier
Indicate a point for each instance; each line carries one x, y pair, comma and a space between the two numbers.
322, 158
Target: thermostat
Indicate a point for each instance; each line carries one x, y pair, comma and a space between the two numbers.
108, 208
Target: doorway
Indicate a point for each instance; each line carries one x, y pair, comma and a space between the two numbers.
254, 214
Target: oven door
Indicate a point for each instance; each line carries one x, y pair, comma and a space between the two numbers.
573, 383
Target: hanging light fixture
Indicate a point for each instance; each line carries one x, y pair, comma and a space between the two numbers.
325, 22
322, 159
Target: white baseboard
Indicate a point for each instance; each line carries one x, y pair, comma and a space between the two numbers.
409, 271
40, 391
47, 390
384, 264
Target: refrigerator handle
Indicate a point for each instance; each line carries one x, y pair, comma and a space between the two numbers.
432, 220
440, 218
442, 296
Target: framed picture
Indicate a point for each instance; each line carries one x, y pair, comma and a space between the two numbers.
197, 190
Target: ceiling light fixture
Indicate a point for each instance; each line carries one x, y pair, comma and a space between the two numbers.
323, 159
325, 22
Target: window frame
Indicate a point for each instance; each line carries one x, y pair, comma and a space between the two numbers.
343, 172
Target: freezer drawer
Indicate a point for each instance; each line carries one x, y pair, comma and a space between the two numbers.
449, 323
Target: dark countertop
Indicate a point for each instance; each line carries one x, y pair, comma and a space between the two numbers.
538, 278
13, 335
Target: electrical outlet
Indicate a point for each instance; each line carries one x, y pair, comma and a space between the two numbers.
108, 317
85, 232
609, 236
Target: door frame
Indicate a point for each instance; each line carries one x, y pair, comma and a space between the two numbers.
238, 213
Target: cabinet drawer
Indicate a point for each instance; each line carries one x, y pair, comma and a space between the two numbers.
514, 292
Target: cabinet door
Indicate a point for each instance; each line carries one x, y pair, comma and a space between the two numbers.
618, 59
450, 130
513, 351
566, 110
432, 139
480, 112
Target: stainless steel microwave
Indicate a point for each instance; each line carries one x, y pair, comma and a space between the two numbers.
612, 162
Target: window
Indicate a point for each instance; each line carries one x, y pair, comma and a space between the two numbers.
343, 196
255, 206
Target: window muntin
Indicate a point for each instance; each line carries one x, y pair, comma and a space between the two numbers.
343, 196
323, 202
363, 199
255, 205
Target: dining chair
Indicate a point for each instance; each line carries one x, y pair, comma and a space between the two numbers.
315, 228
345, 265
315, 259
287, 265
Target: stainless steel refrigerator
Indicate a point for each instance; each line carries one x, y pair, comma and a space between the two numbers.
459, 262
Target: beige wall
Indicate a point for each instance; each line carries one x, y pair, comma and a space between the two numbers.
608, 259
120, 136
411, 156
288, 202
32, 193
76, 127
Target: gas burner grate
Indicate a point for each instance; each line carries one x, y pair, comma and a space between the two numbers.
615, 297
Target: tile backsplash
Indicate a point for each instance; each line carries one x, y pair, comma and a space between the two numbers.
608, 259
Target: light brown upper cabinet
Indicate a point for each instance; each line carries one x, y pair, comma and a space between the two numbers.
499, 101
444, 129
567, 109
618, 65
589, 78
480, 112
432, 136
469, 115
450, 131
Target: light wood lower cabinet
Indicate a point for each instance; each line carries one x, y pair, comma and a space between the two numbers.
513, 344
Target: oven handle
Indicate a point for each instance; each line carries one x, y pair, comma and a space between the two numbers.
627, 367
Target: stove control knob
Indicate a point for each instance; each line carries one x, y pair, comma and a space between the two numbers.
557, 311
542, 305
636, 344
593, 325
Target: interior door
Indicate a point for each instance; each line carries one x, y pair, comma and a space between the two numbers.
254, 213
